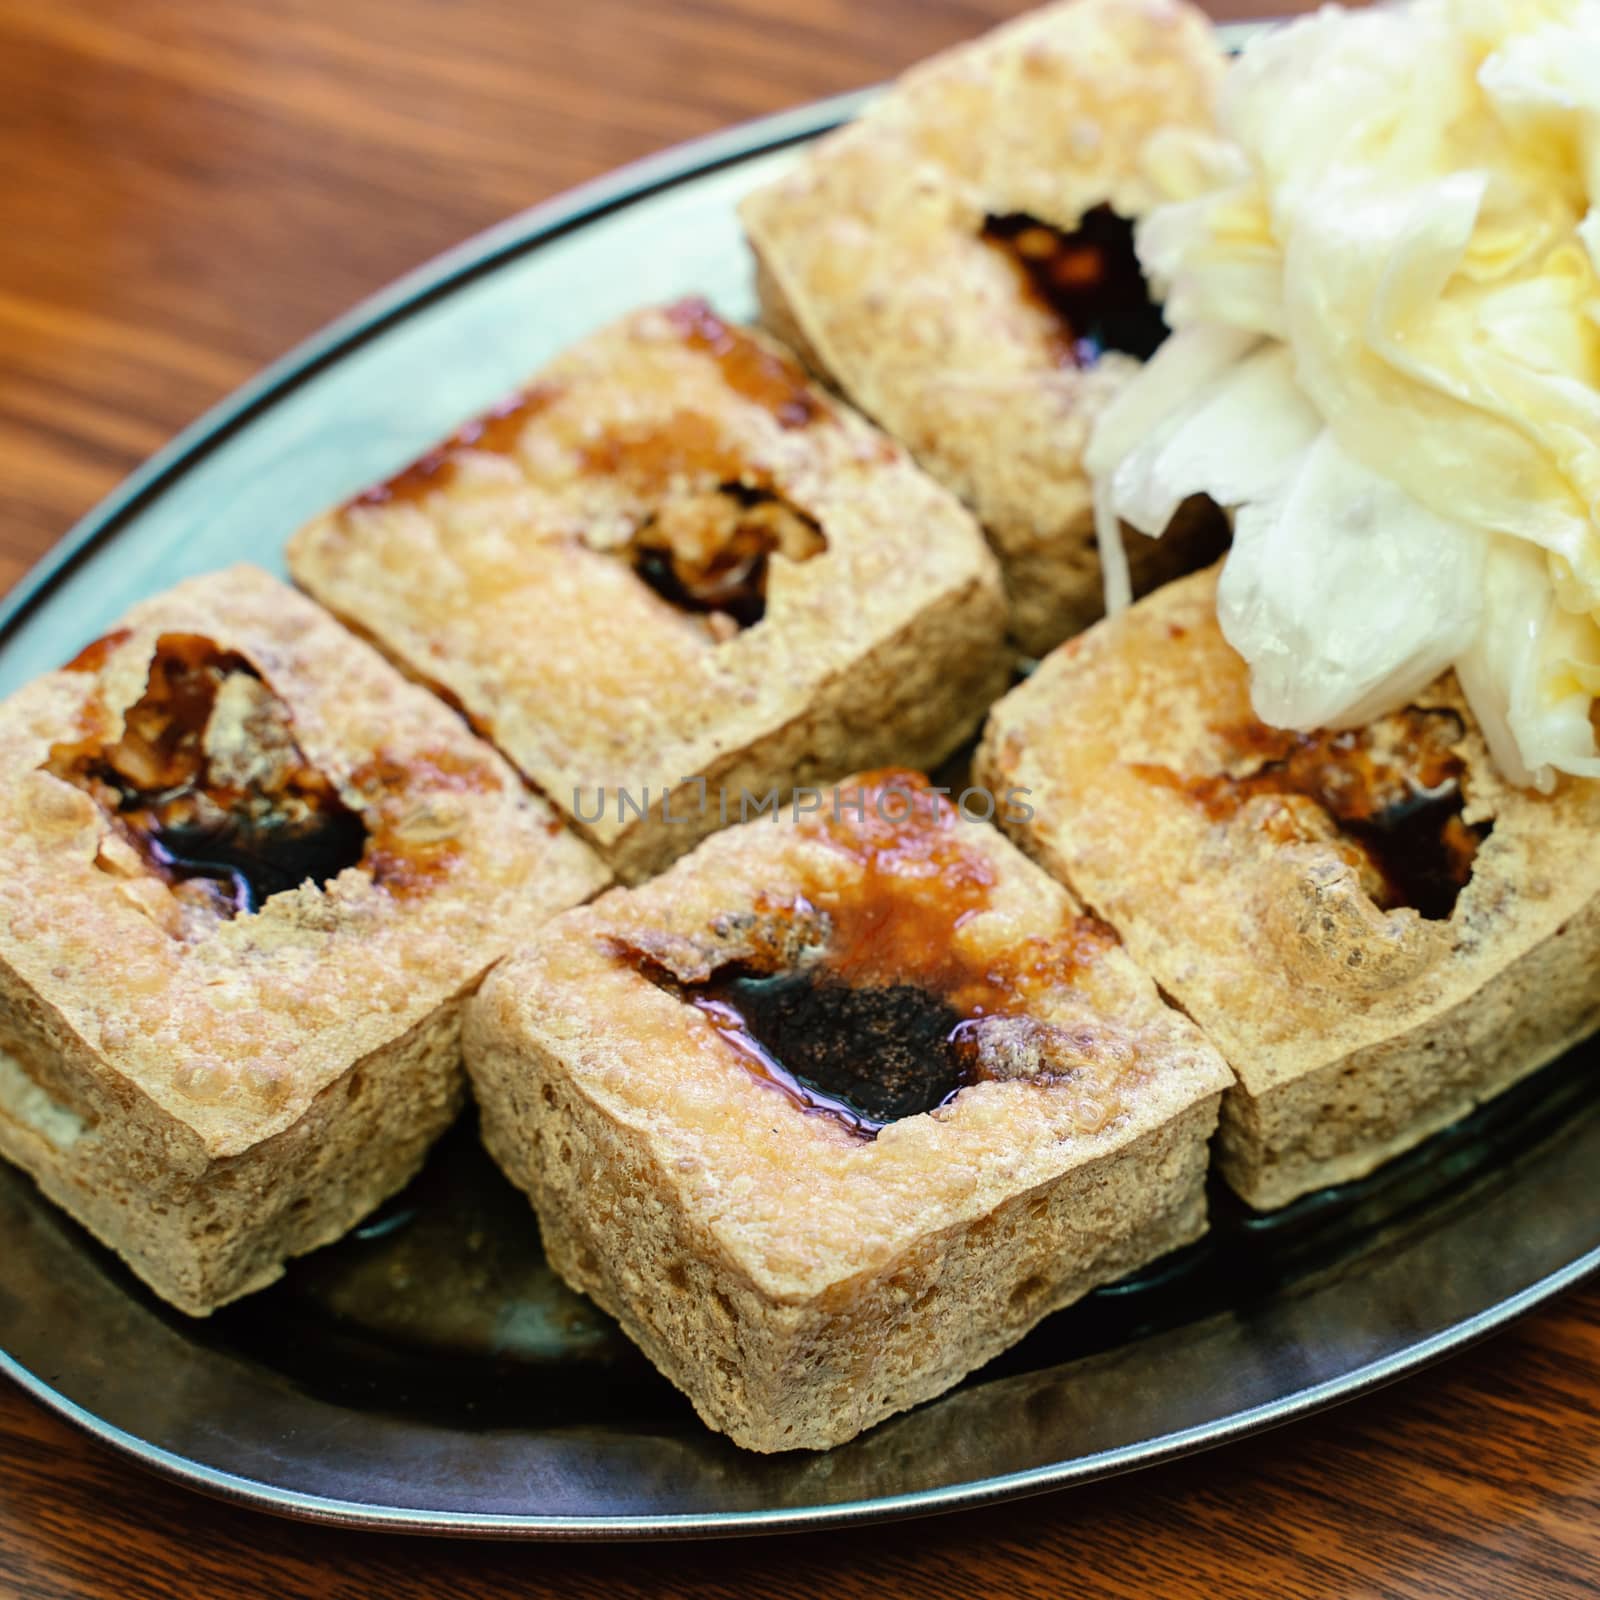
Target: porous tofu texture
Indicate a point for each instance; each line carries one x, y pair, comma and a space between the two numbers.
673, 564
877, 258
247, 875
796, 1276
1369, 979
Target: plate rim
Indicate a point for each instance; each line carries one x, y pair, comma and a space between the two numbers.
298, 1506
479, 254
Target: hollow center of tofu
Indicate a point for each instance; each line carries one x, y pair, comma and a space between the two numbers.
709, 552
208, 785
1388, 796
871, 1055
1089, 279
867, 996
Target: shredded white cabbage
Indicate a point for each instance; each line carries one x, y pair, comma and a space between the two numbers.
1385, 287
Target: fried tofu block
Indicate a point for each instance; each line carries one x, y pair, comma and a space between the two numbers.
958, 263
838, 1108
248, 875
1376, 930
671, 578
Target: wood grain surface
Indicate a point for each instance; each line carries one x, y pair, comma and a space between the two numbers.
187, 190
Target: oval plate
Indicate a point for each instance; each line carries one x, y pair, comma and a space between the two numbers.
429, 1373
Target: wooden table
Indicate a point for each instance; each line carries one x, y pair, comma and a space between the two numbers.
189, 189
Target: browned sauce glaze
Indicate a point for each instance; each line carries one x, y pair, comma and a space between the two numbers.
1090, 279
95, 654
230, 828
1391, 792
427, 772
772, 381
874, 1021
415, 840
649, 458
496, 432
709, 553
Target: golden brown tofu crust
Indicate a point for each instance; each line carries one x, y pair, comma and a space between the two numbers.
210, 1091
1357, 1026
872, 262
796, 1279
505, 569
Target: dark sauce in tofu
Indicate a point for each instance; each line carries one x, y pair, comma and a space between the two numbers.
1392, 791
1089, 279
706, 545
709, 554
233, 830
868, 1056
874, 1020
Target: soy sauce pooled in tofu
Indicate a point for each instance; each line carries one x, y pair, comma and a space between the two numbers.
1388, 795
207, 783
709, 554
870, 1055
1089, 278
861, 1002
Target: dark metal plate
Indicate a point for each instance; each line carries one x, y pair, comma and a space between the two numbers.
429, 1372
